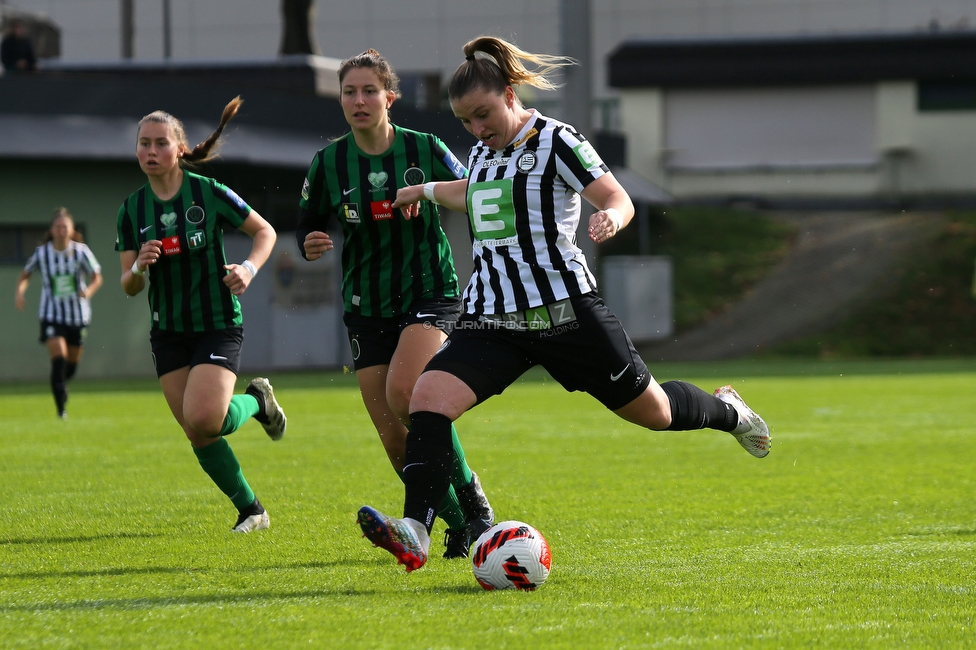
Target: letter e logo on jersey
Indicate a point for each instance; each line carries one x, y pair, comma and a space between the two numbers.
171, 245
588, 156
381, 210
484, 204
491, 209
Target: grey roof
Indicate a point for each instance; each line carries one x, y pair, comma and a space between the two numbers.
114, 138
639, 188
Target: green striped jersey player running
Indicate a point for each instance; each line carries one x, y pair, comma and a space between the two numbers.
170, 232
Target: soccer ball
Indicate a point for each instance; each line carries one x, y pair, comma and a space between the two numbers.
511, 555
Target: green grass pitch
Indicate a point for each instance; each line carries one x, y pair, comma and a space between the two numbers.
859, 529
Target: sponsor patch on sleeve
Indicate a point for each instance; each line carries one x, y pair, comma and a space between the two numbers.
588, 156
238, 201
455, 165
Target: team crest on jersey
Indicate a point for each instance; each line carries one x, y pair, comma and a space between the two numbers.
526, 161
350, 211
414, 176
378, 180
168, 219
195, 215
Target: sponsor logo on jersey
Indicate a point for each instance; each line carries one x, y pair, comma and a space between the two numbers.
64, 285
495, 243
414, 176
455, 165
234, 198
195, 239
381, 210
587, 155
305, 189
531, 132
491, 210
195, 214
495, 162
378, 180
350, 211
526, 161
168, 219
171, 245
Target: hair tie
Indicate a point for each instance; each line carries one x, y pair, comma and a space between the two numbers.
469, 57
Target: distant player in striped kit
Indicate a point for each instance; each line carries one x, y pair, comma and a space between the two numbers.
531, 299
171, 232
70, 276
399, 288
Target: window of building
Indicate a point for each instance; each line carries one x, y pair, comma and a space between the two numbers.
946, 96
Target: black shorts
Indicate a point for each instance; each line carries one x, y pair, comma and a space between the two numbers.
584, 347
71, 334
374, 340
174, 350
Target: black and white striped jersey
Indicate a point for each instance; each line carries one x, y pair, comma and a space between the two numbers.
63, 275
523, 211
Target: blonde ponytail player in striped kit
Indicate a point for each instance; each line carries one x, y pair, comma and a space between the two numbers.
70, 276
531, 300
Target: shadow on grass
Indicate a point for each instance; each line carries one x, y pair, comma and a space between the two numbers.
248, 598
941, 532
73, 538
136, 571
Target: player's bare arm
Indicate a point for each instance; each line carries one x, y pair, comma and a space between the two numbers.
450, 194
614, 207
239, 276
134, 265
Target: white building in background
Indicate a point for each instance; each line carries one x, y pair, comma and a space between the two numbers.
880, 118
427, 35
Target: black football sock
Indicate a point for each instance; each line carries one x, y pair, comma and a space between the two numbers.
427, 466
693, 408
57, 383
69, 370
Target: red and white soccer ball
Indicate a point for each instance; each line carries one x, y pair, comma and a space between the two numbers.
511, 555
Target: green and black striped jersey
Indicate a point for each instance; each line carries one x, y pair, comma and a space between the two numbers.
388, 262
186, 289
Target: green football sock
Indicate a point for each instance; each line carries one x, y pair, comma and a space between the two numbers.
220, 464
241, 408
461, 474
450, 509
